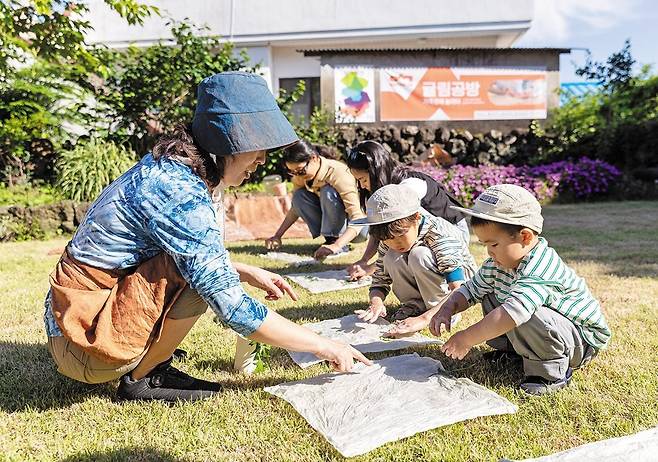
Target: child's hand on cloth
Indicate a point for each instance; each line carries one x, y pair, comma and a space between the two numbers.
457, 346
359, 270
442, 318
374, 311
407, 327
325, 250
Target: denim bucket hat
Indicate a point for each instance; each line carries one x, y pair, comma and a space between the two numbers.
236, 112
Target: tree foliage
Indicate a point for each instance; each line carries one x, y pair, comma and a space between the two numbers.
53, 30
150, 90
44, 67
617, 124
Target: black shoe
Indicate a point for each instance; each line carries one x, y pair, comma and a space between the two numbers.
166, 383
499, 356
534, 385
179, 354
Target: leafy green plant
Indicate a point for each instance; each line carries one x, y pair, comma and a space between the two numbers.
28, 195
617, 124
12, 229
38, 110
262, 354
148, 91
84, 171
53, 30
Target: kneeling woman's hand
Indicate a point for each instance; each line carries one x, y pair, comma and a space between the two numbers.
272, 283
341, 355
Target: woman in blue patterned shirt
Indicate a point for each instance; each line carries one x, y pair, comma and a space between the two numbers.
158, 212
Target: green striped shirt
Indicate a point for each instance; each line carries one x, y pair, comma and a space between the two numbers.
542, 279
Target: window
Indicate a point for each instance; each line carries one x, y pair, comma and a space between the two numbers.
304, 106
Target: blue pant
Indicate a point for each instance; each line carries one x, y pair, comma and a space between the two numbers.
324, 214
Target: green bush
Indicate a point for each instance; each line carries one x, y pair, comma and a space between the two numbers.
617, 124
318, 129
83, 172
148, 91
44, 69
28, 195
12, 229
36, 107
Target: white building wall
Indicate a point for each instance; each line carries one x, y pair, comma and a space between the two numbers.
272, 30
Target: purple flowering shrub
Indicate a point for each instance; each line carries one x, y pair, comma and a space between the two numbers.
581, 179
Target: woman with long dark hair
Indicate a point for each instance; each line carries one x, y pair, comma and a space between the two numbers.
325, 197
149, 257
373, 167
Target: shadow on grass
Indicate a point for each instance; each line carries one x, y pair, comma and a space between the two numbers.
128, 454
258, 249
29, 379
321, 311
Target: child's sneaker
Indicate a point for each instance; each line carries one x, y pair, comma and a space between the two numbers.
535, 385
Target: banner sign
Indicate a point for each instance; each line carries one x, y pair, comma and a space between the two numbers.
354, 89
452, 93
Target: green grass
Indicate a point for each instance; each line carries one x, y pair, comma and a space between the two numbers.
44, 416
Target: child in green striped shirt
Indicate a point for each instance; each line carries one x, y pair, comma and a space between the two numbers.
536, 308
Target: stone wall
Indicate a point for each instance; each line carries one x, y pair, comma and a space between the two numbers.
248, 217
63, 217
412, 143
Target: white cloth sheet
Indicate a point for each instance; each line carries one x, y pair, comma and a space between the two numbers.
295, 259
395, 398
639, 447
328, 281
365, 337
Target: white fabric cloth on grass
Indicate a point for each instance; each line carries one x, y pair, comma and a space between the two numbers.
640, 447
395, 398
364, 336
327, 281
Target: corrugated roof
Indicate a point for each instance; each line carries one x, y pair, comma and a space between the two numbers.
335, 51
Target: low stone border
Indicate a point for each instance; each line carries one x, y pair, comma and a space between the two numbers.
248, 216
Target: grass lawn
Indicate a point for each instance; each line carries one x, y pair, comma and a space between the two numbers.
45, 416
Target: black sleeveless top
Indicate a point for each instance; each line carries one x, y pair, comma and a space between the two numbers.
437, 201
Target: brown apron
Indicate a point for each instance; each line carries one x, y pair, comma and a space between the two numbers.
114, 315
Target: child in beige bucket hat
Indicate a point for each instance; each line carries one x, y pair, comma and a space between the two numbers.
421, 257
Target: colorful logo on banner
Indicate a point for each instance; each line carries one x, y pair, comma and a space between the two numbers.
354, 93
443, 93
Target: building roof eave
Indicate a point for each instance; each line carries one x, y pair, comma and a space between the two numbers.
338, 51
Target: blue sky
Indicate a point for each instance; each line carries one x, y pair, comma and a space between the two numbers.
600, 25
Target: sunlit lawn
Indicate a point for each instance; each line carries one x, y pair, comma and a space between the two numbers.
44, 416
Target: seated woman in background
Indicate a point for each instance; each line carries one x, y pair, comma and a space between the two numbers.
326, 197
373, 167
